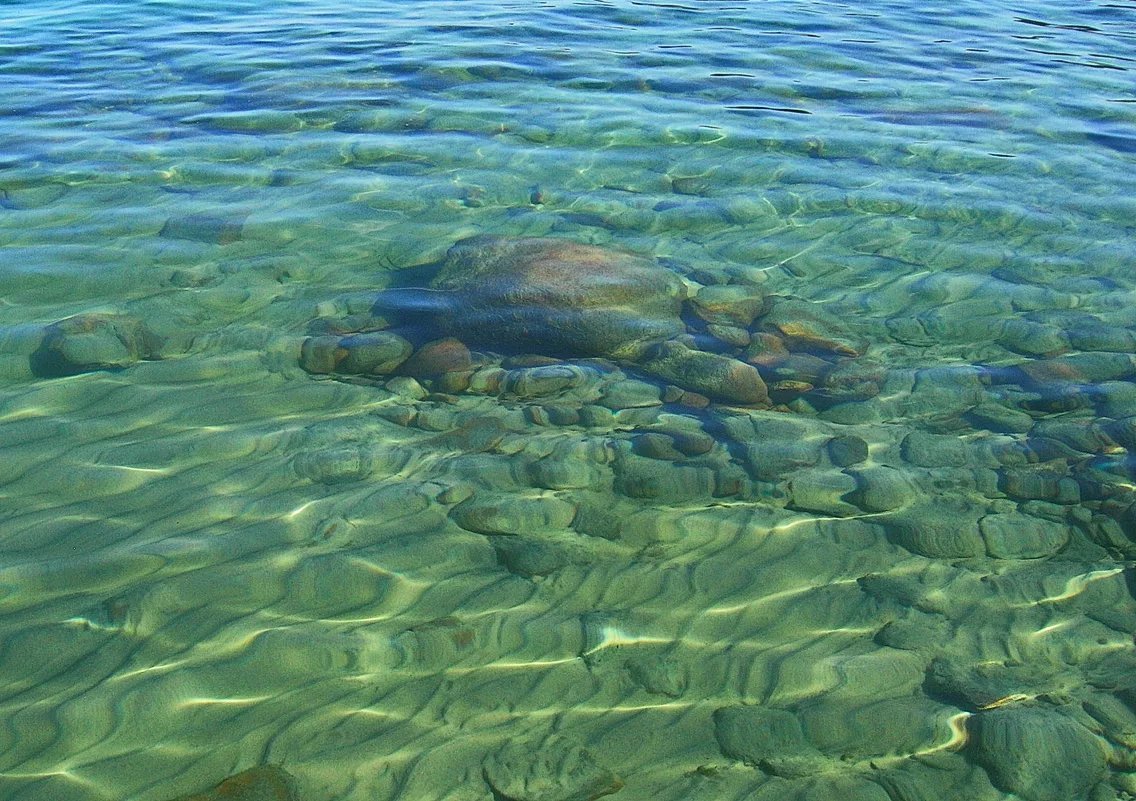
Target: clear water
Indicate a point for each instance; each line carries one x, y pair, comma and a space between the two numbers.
213, 559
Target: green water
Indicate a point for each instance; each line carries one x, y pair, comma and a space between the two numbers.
905, 576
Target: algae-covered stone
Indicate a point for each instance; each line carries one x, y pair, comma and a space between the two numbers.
730, 305
211, 229
775, 457
574, 299
810, 327
847, 450
940, 528
264, 783
535, 382
718, 377
823, 491
1018, 536
447, 355
881, 488
641, 477
1036, 753
934, 450
552, 768
88, 342
754, 734
373, 353
511, 514
630, 394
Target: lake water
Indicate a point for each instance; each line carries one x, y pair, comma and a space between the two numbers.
229, 542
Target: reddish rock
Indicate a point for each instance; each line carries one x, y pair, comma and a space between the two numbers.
447, 355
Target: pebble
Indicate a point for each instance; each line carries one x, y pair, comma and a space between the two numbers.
551, 768
1018, 536
487, 380
630, 394
527, 558
772, 459
1036, 753
640, 477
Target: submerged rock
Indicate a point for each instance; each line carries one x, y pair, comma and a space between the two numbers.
264, 783
88, 342
1037, 754
552, 768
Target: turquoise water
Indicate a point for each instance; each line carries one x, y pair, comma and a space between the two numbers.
543, 575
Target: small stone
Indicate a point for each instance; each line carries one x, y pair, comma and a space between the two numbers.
998, 418
453, 382
940, 528
530, 382
658, 675
694, 400
754, 734
597, 417
728, 305
440, 356
730, 335
1033, 339
656, 446
1018, 536
552, 768
513, 514
335, 465
808, 327
455, 494
204, 228
692, 443
823, 491
639, 477
406, 387
881, 489
88, 342
373, 353
321, 354
718, 377
487, 380
765, 350
1036, 753
263, 783
847, 450
529, 558
776, 457
934, 450
630, 394
562, 415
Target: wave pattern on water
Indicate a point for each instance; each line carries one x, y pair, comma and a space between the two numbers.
264, 529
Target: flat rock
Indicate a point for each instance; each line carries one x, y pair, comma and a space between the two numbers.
755, 734
552, 768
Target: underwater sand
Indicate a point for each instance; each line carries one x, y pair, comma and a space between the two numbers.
213, 560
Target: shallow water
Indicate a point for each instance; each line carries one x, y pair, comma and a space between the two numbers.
907, 576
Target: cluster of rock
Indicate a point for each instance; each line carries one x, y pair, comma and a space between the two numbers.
725, 342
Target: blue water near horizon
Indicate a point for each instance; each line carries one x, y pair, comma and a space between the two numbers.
907, 575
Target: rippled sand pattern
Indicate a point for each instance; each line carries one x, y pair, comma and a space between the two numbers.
908, 576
